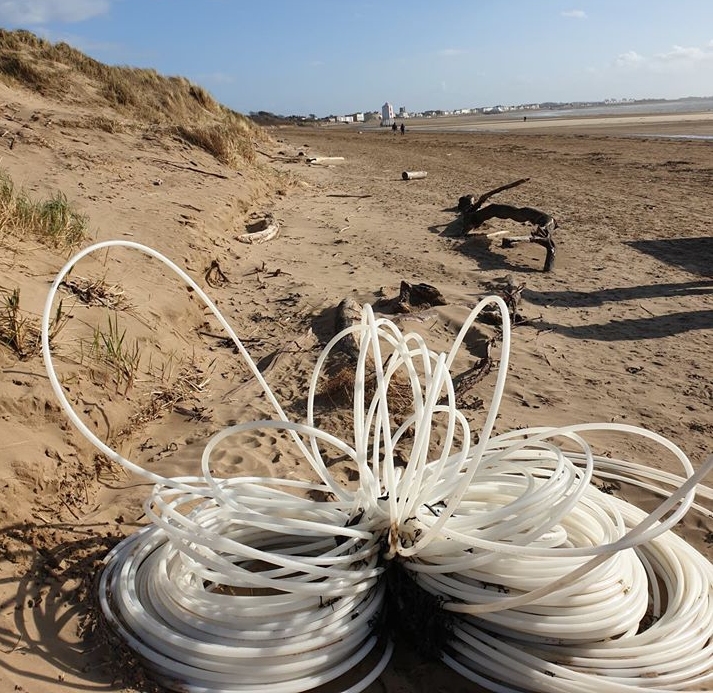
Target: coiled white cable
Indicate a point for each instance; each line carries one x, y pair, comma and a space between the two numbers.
547, 584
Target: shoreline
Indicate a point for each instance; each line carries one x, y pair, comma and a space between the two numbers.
698, 124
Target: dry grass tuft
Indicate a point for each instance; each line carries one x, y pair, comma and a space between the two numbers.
96, 292
54, 222
190, 382
338, 388
173, 392
21, 333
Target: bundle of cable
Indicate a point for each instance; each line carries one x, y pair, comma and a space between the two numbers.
532, 578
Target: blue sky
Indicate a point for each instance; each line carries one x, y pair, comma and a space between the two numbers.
339, 56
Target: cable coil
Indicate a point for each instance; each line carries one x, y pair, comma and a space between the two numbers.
246, 584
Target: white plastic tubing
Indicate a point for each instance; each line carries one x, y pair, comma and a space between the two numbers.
246, 584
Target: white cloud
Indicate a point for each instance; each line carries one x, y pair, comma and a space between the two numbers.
575, 14
679, 53
629, 59
31, 12
679, 58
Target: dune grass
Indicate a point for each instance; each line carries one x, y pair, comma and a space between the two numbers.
53, 222
120, 357
141, 95
19, 331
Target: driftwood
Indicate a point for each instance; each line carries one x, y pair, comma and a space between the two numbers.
410, 296
472, 219
463, 383
263, 231
418, 295
474, 214
511, 293
473, 376
542, 233
348, 314
324, 159
543, 238
468, 203
214, 275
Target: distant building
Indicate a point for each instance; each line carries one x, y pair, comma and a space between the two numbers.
387, 114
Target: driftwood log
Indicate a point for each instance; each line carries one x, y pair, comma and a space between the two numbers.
474, 214
472, 219
263, 231
410, 296
348, 314
542, 233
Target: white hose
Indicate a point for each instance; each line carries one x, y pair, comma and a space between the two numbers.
545, 582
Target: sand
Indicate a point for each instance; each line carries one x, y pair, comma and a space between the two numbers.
620, 330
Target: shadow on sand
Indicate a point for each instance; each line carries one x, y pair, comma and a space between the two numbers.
692, 254
649, 327
486, 252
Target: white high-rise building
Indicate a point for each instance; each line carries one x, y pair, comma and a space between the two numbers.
387, 114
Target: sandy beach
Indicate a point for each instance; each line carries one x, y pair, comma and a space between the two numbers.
685, 125
619, 331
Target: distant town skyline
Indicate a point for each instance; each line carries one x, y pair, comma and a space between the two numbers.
323, 57
687, 103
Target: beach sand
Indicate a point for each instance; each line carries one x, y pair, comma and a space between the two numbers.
620, 331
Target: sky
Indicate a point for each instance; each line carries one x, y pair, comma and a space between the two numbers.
334, 57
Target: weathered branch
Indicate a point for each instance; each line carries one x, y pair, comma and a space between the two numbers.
473, 218
545, 240
468, 203
490, 193
214, 275
348, 314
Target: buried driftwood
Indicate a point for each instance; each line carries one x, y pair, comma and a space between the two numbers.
511, 293
417, 295
421, 296
261, 232
413, 175
348, 314
474, 214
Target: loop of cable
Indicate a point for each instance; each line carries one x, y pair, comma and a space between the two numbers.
547, 583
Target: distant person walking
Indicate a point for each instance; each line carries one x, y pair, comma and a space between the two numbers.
393, 126
403, 128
